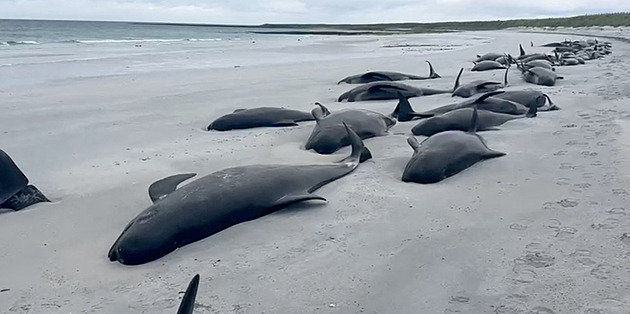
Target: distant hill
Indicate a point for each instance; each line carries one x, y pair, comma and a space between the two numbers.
607, 19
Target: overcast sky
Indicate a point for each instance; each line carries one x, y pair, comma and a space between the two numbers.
302, 11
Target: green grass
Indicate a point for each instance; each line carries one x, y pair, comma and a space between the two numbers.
608, 19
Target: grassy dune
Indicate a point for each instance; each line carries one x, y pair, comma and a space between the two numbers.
608, 19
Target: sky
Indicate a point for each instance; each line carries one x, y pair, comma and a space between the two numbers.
253, 12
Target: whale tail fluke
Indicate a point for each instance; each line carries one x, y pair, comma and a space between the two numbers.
432, 73
359, 153
533, 108
27, 196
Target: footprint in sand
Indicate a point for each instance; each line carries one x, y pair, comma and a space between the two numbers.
606, 224
602, 271
566, 232
617, 211
620, 192
584, 257
541, 310
576, 143
536, 259
524, 274
563, 181
567, 203
580, 187
518, 226
570, 166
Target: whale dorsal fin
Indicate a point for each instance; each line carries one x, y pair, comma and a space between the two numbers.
238, 110
474, 121
164, 187
188, 301
413, 142
457, 80
522, 50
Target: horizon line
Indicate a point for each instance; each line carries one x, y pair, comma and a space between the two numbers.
307, 24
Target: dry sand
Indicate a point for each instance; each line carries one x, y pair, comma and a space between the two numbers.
542, 230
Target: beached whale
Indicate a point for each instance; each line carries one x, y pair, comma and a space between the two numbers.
539, 63
404, 112
478, 86
389, 90
446, 154
376, 76
484, 102
493, 56
487, 65
529, 97
459, 120
329, 133
15, 192
259, 117
217, 201
540, 76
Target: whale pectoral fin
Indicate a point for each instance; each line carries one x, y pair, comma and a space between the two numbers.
291, 199
163, 187
188, 301
413, 142
284, 123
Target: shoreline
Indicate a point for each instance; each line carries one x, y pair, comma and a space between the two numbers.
473, 243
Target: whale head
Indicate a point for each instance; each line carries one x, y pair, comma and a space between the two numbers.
142, 241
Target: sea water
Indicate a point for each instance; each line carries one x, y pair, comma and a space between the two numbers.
39, 51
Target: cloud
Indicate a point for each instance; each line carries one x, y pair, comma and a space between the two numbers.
301, 11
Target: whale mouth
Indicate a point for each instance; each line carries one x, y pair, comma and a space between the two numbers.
113, 253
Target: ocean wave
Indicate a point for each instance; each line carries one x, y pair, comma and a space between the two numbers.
136, 41
18, 42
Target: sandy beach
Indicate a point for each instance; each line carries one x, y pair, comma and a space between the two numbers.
542, 230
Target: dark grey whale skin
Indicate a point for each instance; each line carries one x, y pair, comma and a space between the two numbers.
329, 134
12, 179
459, 120
259, 117
376, 76
445, 154
220, 200
15, 192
